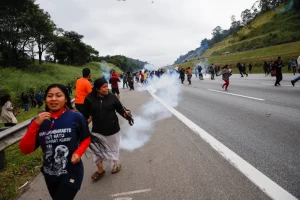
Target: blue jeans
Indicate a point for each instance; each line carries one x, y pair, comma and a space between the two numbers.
26, 106
296, 79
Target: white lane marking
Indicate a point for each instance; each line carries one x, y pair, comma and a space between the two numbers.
123, 198
131, 192
279, 86
140, 84
272, 189
237, 95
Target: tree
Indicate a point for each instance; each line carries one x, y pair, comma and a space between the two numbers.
217, 34
42, 30
246, 16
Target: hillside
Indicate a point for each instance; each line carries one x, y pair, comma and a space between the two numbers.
275, 27
255, 57
37, 78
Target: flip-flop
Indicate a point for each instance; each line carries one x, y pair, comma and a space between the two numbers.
116, 169
96, 176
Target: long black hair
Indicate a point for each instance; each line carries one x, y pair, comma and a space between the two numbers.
98, 84
64, 90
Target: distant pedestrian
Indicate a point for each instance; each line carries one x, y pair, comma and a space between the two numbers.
125, 80
83, 88
114, 79
189, 75
33, 100
8, 113
250, 68
25, 100
181, 75
39, 99
294, 66
130, 81
226, 73
278, 66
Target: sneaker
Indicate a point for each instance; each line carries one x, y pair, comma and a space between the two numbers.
293, 83
222, 86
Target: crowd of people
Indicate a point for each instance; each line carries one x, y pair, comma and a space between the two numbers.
63, 134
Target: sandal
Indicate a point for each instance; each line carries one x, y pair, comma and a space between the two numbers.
97, 175
116, 168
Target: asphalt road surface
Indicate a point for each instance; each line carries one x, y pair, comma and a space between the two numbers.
254, 119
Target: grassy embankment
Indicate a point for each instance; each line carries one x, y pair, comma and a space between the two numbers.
22, 168
255, 57
272, 34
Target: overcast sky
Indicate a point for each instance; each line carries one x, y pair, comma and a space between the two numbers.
156, 32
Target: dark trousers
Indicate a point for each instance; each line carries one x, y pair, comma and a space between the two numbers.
212, 77
278, 78
125, 83
131, 86
79, 107
182, 80
61, 191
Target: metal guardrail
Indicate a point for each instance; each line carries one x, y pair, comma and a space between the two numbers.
13, 135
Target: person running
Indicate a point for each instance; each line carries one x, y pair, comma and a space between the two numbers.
63, 136
189, 75
250, 68
114, 79
200, 72
142, 77
130, 81
226, 73
212, 72
7, 112
181, 75
125, 80
83, 88
278, 66
102, 107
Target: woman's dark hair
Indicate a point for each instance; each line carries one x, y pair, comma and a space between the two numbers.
98, 84
225, 66
64, 90
4, 99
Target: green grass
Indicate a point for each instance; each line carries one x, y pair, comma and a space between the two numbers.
269, 29
22, 168
255, 57
38, 78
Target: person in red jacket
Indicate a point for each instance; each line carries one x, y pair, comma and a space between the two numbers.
114, 84
63, 136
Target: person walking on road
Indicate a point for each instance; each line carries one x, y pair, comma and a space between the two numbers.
63, 136
83, 88
294, 66
102, 107
181, 75
226, 73
114, 79
278, 66
189, 75
200, 72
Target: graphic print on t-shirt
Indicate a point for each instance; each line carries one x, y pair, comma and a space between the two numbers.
56, 151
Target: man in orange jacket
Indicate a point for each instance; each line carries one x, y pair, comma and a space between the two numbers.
83, 88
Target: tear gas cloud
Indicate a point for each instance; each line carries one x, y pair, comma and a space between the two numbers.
167, 88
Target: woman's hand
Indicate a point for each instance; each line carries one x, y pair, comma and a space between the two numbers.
42, 116
75, 158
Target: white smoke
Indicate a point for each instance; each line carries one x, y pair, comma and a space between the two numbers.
167, 88
204, 65
150, 67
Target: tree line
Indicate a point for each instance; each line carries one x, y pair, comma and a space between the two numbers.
124, 63
27, 31
219, 34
